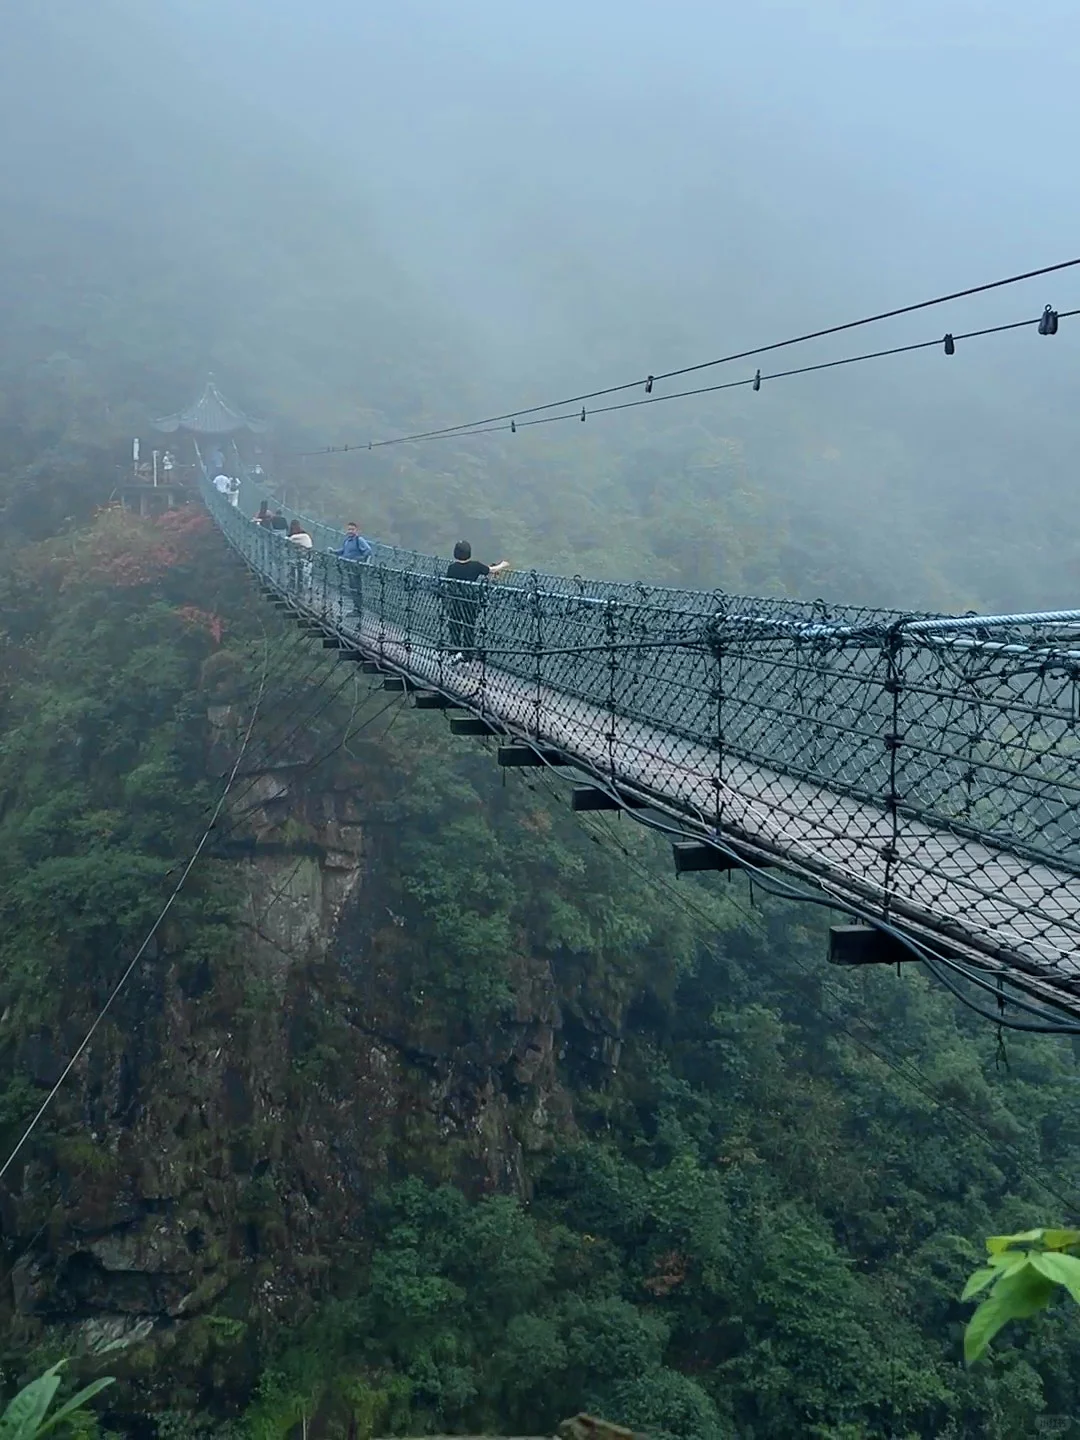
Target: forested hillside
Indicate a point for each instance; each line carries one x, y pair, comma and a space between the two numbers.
434, 1108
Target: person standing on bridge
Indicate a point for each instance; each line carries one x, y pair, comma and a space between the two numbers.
357, 551
354, 546
278, 521
463, 598
301, 570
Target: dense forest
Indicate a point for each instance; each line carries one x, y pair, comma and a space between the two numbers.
535, 1130
433, 1107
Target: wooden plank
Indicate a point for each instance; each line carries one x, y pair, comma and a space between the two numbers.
866, 945
527, 757
590, 797
690, 856
472, 725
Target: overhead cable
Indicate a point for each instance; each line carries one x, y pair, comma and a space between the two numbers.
754, 382
1047, 323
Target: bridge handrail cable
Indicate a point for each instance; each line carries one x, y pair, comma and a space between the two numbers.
928, 760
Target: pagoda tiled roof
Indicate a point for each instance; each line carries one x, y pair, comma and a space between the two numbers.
211, 414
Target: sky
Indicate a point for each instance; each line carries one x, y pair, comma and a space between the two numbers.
637, 177
580, 194
601, 190
862, 147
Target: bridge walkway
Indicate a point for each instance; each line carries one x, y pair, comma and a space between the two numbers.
921, 769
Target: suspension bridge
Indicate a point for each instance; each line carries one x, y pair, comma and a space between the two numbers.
920, 771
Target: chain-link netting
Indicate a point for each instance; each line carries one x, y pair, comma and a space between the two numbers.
923, 765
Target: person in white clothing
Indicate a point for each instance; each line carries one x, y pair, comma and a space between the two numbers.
234, 493
222, 483
301, 570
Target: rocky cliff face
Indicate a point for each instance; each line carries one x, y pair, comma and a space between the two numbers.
239, 1114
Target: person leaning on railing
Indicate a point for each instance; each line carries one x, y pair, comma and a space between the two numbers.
463, 575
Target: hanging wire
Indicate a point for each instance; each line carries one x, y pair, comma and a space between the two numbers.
647, 382
754, 381
280, 738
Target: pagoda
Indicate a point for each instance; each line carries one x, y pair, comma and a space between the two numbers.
210, 418
211, 429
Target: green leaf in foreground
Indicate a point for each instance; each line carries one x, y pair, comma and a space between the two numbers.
24, 1418
1014, 1297
1061, 1269
979, 1281
1022, 1272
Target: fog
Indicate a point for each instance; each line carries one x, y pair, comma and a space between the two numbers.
371, 218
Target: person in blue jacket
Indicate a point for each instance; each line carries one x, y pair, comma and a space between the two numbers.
354, 546
357, 550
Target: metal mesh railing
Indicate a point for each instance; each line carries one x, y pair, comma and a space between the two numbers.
927, 765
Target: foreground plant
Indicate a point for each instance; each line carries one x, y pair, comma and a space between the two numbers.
25, 1417
1023, 1273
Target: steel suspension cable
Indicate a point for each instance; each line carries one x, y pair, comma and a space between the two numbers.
296, 646
902, 1065
238, 818
495, 421
754, 382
